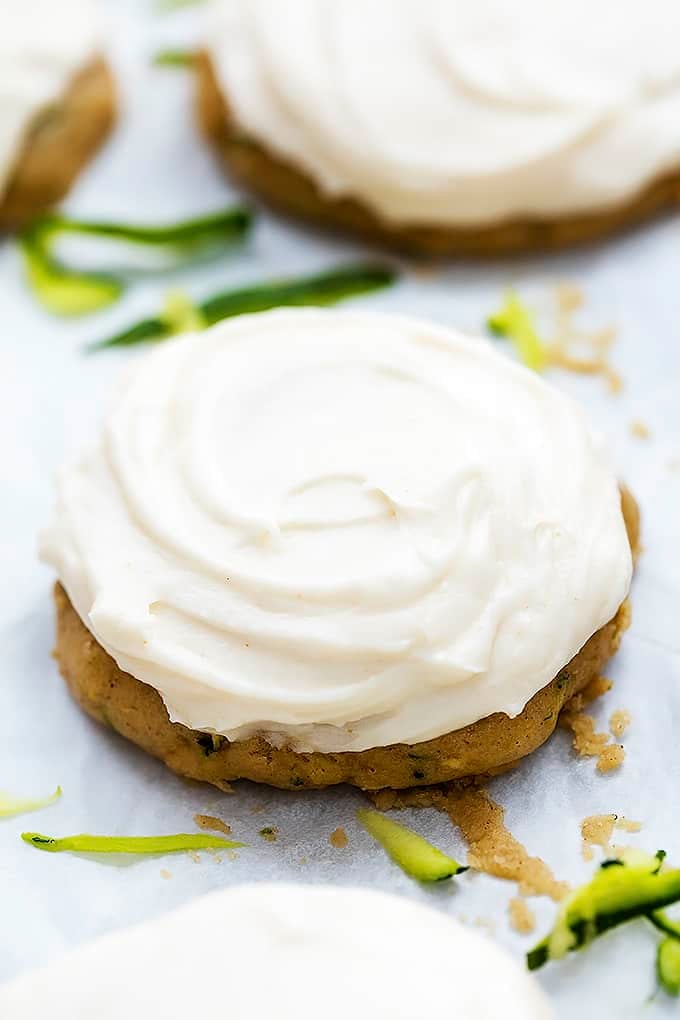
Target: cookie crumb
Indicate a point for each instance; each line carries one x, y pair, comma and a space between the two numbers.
165, 873
619, 722
596, 830
492, 848
610, 758
521, 916
210, 822
640, 430
224, 786
586, 741
195, 856
585, 352
270, 833
338, 839
628, 825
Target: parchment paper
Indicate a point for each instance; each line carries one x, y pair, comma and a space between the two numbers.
51, 397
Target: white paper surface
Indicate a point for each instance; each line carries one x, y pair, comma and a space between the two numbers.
51, 395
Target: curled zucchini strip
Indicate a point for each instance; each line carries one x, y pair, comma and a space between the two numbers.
322, 289
414, 854
635, 885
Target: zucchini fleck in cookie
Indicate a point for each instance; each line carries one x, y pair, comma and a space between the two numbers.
315, 547
58, 103
479, 127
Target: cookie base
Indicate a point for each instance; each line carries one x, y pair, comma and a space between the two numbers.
491, 745
291, 191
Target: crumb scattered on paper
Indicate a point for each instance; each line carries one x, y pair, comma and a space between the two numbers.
619, 721
597, 830
270, 833
492, 848
611, 758
521, 916
338, 839
165, 873
211, 822
586, 352
224, 786
640, 430
628, 825
586, 741
195, 856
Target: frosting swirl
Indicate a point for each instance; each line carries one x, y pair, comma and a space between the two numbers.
343, 530
459, 112
42, 45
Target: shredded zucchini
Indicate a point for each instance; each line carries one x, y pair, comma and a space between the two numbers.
174, 58
322, 289
68, 291
85, 843
634, 885
11, 806
514, 321
668, 964
414, 855
64, 291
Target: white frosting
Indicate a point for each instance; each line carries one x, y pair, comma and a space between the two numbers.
290, 952
459, 111
345, 529
43, 44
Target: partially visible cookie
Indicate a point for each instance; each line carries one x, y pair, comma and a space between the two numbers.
315, 547
60, 142
295, 939
460, 130
487, 747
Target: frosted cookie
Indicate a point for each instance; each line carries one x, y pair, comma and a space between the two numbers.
350, 942
477, 126
314, 547
56, 102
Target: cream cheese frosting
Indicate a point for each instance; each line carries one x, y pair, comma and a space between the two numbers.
43, 44
459, 112
340, 529
294, 952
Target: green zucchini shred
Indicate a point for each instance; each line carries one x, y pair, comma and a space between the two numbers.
12, 806
668, 964
68, 291
174, 58
412, 853
86, 843
65, 291
634, 885
319, 290
514, 321
225, 226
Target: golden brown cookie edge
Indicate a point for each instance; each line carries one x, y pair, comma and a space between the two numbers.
289, 190
136, 711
